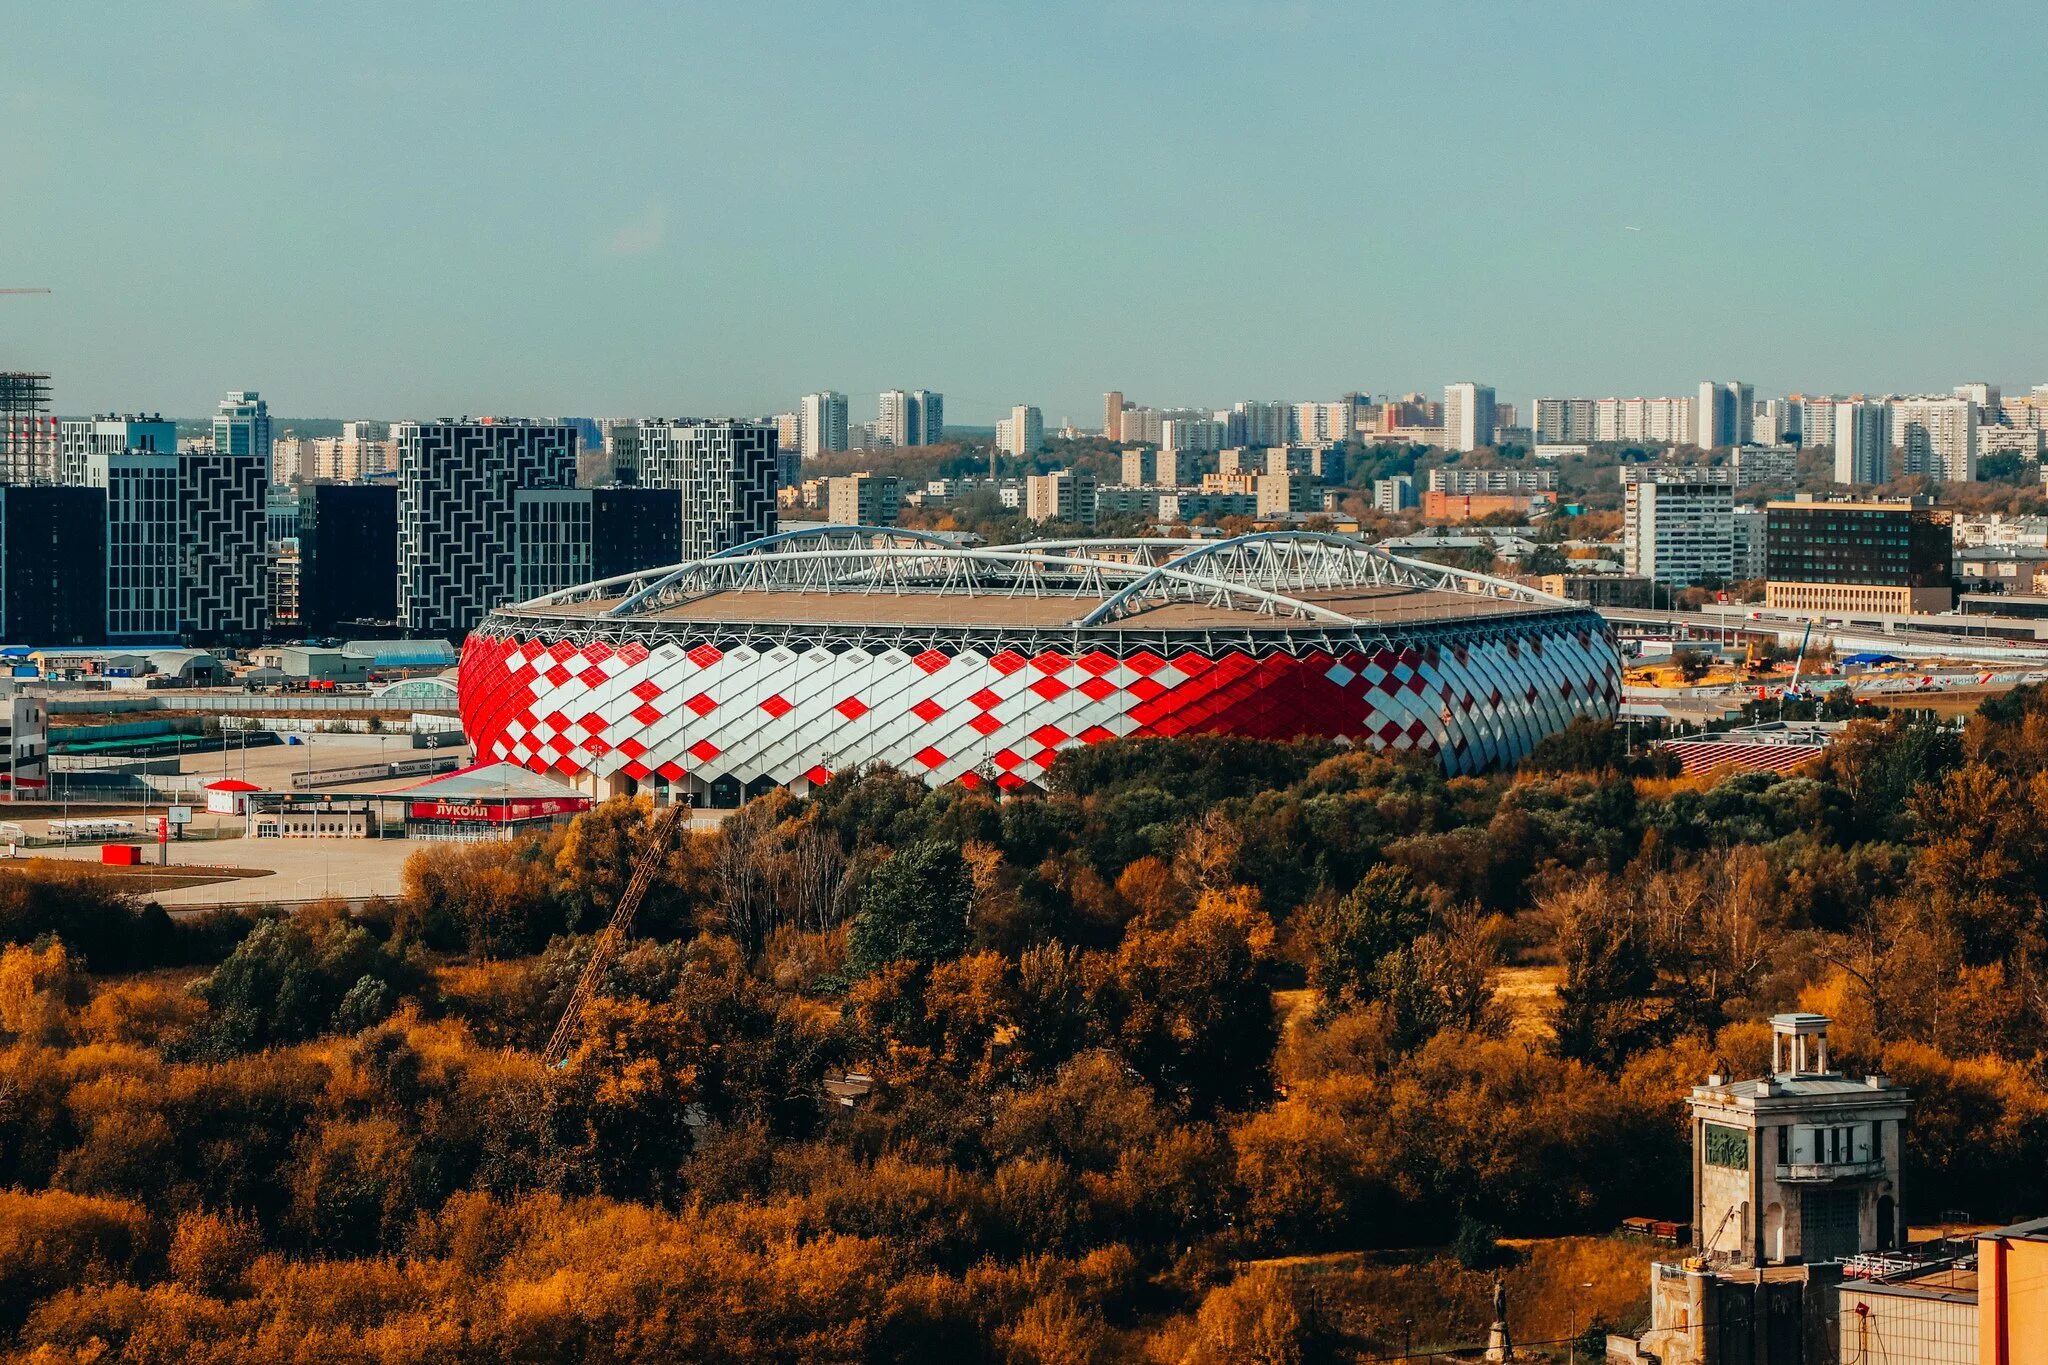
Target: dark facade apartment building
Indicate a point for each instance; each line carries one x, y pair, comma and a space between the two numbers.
571, 536
53, 565
348, 555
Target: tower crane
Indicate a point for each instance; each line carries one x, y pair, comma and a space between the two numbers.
613, 936
24, 291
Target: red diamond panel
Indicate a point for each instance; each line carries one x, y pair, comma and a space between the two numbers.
1050, 662
985, 699
591, 676
971, 781
986, 723
633, 652
930, 757
1009, 661
1144, 662
636, 769
703, 751
776, 706
1005, 760
1048, 735
561, 651
853, 708
646, 691
632, 748
931, 661
593, 724
1044, 757
701, 704
672, 771
1096, 662
1095, 734
818, 776
597, 651
705, 655
1049, 688
557, 675
1095, 689
1146, 689
646, 715
1009, 781
927, 710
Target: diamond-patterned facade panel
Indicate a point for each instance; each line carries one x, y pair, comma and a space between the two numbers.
691, 712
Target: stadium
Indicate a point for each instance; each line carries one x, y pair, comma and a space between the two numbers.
779, 662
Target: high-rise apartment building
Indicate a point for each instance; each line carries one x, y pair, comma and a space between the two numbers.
1861, 433
1191, 433
863, 499
789, 435
1557, 421
457, 486
346, 552
567, 536
1319, 423
1937, 438
1468, 416
1264, 423
824, 419
914, 418
1394, 495
1022, 432
1064, 495
1112, 416
241, 426
1723, 414
226, 568
1678, 523
1141, 426
53, 565
1977, 391
1813, 418
362, 451
727, 472
28, 434
145, 530
1667, 420
80, 438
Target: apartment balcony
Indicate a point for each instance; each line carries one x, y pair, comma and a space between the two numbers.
1828, 1172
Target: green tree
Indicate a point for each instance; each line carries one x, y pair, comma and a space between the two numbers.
914, 907
1348, 938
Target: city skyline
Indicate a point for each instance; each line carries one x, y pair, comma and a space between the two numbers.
385, 274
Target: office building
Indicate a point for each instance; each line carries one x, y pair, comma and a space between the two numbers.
863, 499
567, 536
1855, 556
1112, 416
1936, 438
824, 423
1022, 432
457, 482
1469, 418
1678, 524
345, 549
53, 565
241, 426
1861, 433
221, 497
1061, 496
1458, 479
726, 471
1394, 495
78, 439
145, 531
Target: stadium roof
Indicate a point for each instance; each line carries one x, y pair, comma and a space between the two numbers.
865, 575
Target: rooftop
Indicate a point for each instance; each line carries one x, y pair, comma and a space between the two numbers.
864, 576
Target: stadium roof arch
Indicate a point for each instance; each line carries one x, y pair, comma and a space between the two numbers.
1309, 576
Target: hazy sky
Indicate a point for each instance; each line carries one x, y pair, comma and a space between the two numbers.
433, 207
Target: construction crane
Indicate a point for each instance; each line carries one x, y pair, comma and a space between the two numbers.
24, 291
614, 934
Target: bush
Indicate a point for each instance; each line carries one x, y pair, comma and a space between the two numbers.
283, 985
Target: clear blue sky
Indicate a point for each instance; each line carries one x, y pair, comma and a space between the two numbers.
373, 209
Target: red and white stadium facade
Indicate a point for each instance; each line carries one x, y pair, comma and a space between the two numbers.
784, 660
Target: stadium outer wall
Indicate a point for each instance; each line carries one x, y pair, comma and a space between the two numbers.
730, 710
